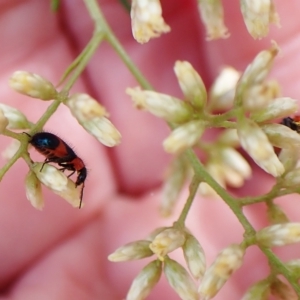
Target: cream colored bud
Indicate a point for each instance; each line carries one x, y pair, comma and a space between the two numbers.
85, 108
279, 235
281, 136
229, 137
145, 281
3, 121
212, 16
180, 280
276, 215
194, 257
173, 184
131, 251
146, 20
289, 158
257, 145
103, 130
11, 149
292, 178
228, 261
258, 291
258, 14
32, 85
184, 137
155, 232
191, 84
294, 266
281, 290
34, 190
277, 109
16, 119
163, 106
222, 92
57, 182
167, 241
259, 68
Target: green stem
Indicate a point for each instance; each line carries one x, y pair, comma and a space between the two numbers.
193, 189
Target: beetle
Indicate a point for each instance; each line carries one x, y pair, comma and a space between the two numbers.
292, 123
58, 151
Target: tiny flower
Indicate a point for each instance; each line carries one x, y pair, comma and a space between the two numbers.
167, 241
163, 106
257, 145
145, 281
258, 14
131, 251
11, 150
146, 20
184, 137
3, 121
289, 158
194, 256
172, 185
34, 190
180, 280
92, 117
279, 234
16, 119
277, 109
191, 84
32, 85
281, 136
258, 291
229, 137
222, 92
276, 215
211, 12
282, 291
228, 261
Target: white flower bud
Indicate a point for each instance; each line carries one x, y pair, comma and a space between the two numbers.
184, 137
180, 280
279, 234
3, 121
292, 178
281, 136
258, 291
191, 84
229, 137
228, 261
131, 251
145, 281
277, 109
71, 194
11, 150
146, 20
163, 106
257, 145
173, 184
194, 256
34, 190
258, 14
167, 241
289, 158
222, 92
211, 12
32, 85
16, 119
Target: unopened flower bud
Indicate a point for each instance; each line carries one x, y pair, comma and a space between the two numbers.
276, 215
229, 137
3, 121
228, 261
163, 106
167, 241
145, 281
71, 194
257, 145
34, 190
11, 150
281, 290
277, 109
146, 20
16, 119
180, 280
191, 84
131, 251
258, 14
292, 178
289, 158
294, 266
194, 256
184, 137
279, 235
212, 16
258, 291
32, 85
